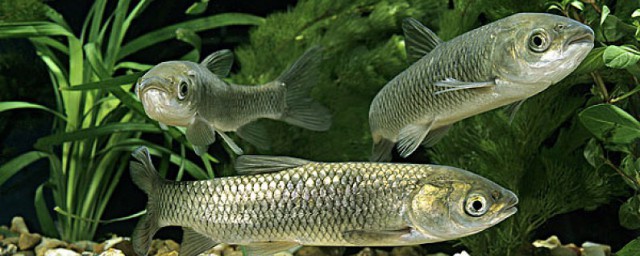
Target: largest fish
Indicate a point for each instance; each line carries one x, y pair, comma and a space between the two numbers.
497, 64
289, 202
193, 95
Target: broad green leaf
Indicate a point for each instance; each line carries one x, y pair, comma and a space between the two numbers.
166, 33
10, 105
620, 56
14, 165
197, 7
631, 168
613, 29
635, 13
95, 132
605, 13
594, 154
610, 123
629, 213
42, 212
631, 249
578, 5
592, 62
107, 83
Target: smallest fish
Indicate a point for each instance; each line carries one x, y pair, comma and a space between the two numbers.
193, 95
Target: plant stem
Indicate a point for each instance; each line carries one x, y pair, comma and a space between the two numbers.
635, 90
597, 78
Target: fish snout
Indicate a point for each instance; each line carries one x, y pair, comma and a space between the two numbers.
580, 34
149, 82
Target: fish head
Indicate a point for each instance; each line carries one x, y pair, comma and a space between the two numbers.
538, 49
168, 92
459, 204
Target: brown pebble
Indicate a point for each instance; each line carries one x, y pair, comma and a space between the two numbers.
126, 247
28, 241
18, 225
25, 253
11, 240
416, 250
48, 243
172, 245
171, 253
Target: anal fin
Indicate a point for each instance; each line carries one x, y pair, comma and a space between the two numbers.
362, 237
512, 109
194, 243
201, 135
411, 136
255, 133
268, 248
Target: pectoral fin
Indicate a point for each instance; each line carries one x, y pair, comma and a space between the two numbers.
268, 248
361, 237
512, 109
194, 243
255, 133
164, 127
411, 136
234, 147
419, 40
201, 135
455, 85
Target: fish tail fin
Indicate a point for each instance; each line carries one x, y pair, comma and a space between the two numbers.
145, 176
301, 110
381, 151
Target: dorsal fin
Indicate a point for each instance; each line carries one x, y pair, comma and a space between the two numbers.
219, 62
250, 164
418, 39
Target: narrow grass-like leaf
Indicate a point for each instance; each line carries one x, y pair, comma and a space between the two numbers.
10, 105
133, 66
14, 165
166, 33
55, 44
95, 132
94, 57
107, 83
197, 7
131, 145
42, 212
32, 29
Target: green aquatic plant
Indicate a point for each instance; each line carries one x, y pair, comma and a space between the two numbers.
98, 120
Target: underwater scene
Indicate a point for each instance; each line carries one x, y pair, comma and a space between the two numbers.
320, 127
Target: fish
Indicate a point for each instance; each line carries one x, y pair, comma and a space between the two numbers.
194, 95
501, 63
279, 203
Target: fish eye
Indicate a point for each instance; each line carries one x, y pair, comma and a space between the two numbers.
183, 89
538, 41
476, 205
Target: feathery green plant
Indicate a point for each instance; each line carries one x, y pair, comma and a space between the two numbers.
539, 155
99, 121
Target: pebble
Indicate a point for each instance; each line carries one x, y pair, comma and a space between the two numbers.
60, 252
371, 252
28, 241
18, 225
408, 251
594, 249
125, 246
113, 252
82, 246
10, 249
320, 251
25, 253
48, 243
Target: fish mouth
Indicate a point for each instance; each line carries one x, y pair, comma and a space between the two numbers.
151, 83
510, 207
582, 39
